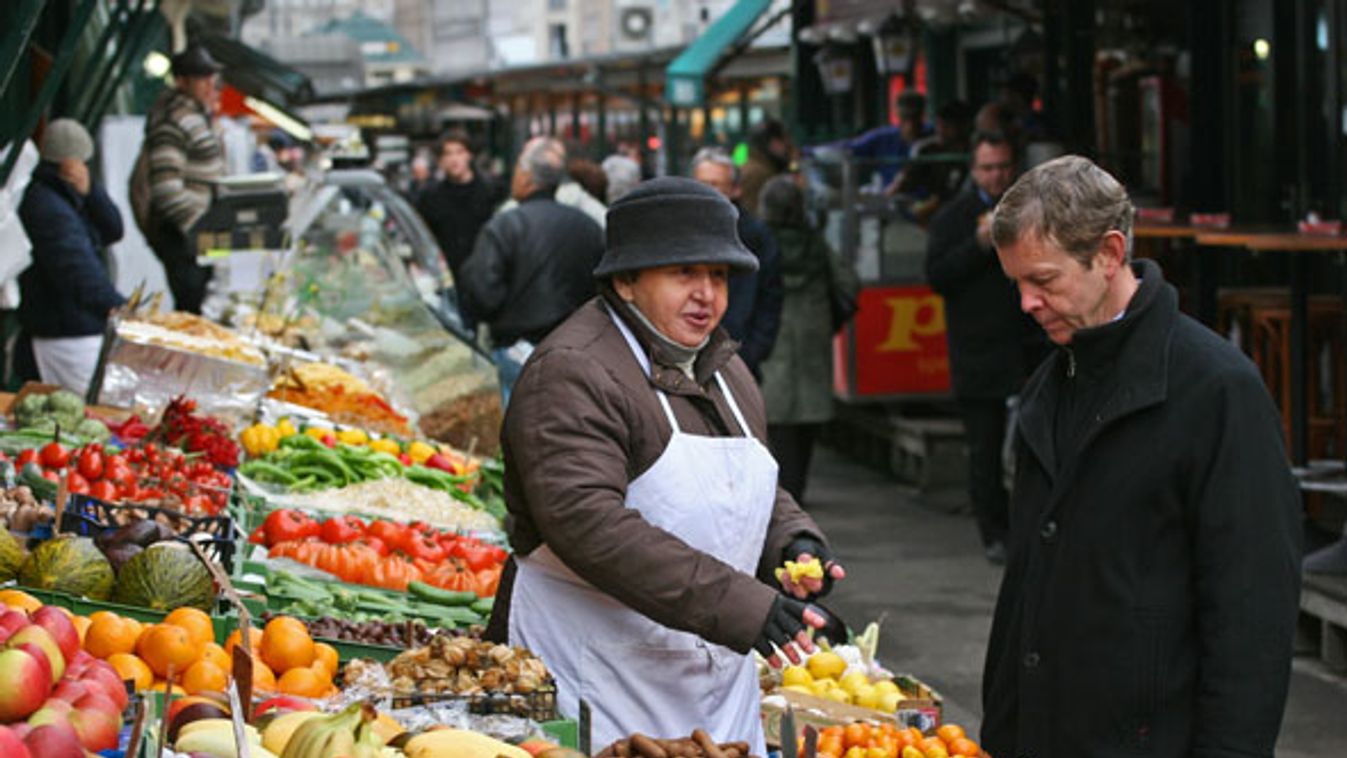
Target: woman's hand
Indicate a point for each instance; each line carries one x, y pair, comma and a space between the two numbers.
785, 630
802, 551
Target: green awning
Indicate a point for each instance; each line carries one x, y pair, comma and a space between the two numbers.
255, 73
685, 77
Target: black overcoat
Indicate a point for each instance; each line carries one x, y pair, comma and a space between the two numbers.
1151, 593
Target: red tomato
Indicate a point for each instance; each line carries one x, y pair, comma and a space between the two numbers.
104, 490
339, 530
90, 464
50, 475
285, 524
54, 455
78, 485
477, 557
424, 547
27, 456
374, 543
391, 533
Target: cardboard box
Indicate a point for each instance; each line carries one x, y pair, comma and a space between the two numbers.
922, 711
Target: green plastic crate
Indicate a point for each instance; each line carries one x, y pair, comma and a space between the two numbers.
347, 650
564, 732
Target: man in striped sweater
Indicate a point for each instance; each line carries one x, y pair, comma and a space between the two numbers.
185, 154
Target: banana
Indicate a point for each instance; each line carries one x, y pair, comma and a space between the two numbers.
212, 724
367, 741
216, 741
326, 737
283, 727
458, 743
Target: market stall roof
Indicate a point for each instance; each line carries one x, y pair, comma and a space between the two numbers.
685, 77
258, 74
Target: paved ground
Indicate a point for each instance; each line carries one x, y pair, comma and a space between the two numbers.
920, 568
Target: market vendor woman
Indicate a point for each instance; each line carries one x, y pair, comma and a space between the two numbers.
644, 507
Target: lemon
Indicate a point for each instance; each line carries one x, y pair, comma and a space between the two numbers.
886, 686
839, 694
822, 687
796, 675
826, 664
888, 702
798, 688
854, 681
867, 697
911, 752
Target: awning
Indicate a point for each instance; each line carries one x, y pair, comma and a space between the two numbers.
257, 74
685, 77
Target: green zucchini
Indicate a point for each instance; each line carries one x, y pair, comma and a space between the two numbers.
433, 594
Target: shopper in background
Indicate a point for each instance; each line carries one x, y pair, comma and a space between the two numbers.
797, 377
1151, 597
644, 509
531, 266
769, 154
888, 147
66, 294
924, 184
623, 176
985, 329
460, 203
183, 154
754, 316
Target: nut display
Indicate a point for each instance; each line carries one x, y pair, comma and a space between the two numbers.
699, 745
465, 666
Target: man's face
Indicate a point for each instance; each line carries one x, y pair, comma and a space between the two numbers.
204, 89
456, 161
1060, 293
993, 168
684, 303
718, 176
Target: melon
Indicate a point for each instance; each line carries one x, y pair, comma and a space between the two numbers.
164, 576
68, 564
11, 555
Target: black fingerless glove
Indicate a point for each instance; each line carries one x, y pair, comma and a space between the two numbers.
819, 551
784, 621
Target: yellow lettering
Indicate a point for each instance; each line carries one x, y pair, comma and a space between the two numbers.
912, 317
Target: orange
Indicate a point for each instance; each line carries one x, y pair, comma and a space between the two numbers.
326, 656
133, 668
933, 747
964, 746
204, 676
20, 600
286, 644
110, 634
305, 682
254, 635
856, 735
166, 647
158, 686
217, 655
949, 732
82, 626
263, 679
196, 622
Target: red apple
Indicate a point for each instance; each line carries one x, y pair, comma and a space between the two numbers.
61, 629
105, 677
11, 745
39, 655
54, 741
71, 690
20, 729
26, 684
284, 703
43, 639
97, 726
54, 711
82, 656
95, 698
11, 621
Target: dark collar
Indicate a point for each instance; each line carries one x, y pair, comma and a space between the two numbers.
664, 372
538, 195
1125, 362
50, 174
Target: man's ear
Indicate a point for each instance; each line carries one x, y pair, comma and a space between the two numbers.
1113, 251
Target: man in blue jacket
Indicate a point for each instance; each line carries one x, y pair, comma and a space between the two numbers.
66, 294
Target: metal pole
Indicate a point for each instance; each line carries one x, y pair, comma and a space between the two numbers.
134, 48
120, 16
60, 65
16, 41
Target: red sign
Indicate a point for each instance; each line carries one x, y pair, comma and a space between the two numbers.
895, 346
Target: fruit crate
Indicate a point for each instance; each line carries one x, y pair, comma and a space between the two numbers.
565, 732
348, 650
88, 517
539, 705
223, 618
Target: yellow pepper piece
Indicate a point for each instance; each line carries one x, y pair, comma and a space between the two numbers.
810, 569
419, 451
285, 428
385, 445
352, 436
317, 432
259, 439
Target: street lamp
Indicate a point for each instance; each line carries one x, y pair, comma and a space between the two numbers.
892, 41
834, 68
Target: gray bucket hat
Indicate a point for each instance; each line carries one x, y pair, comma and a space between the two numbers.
66, 138
673, 221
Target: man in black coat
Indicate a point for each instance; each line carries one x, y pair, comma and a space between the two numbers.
66, 294
460, 203
1149, 603
532, 265
986, 331
756, 297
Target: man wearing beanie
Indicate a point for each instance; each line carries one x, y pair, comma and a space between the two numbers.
66, 294
644, 507
185, 154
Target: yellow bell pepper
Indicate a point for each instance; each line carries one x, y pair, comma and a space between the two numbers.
286, 429
317, 432
385, 445
419, 451
352, 437
260, 439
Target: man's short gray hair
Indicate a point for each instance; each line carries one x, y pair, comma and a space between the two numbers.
544, 158
623, 175
1069, 202
716, 155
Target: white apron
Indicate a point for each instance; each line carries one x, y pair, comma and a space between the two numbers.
717, 495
